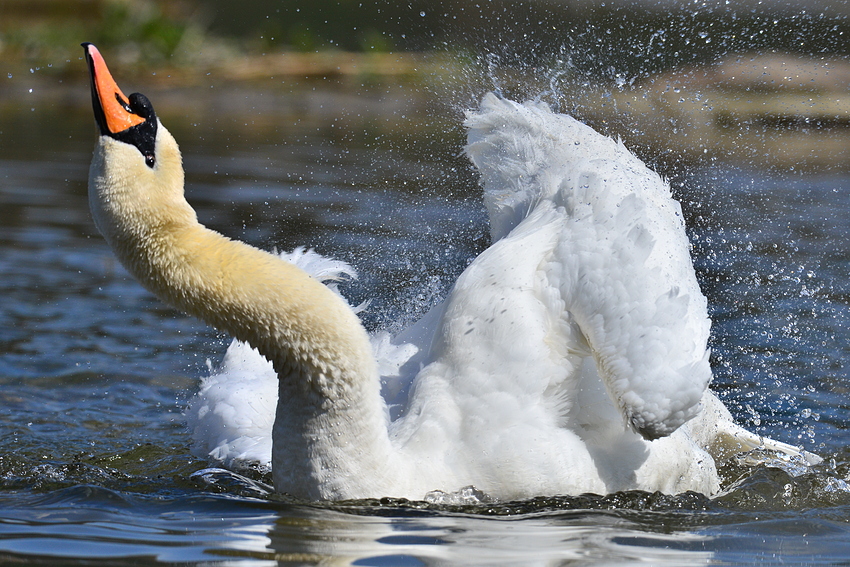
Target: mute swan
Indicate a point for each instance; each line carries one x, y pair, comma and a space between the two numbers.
569, 357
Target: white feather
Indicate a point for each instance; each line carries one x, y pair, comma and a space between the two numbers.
569, 357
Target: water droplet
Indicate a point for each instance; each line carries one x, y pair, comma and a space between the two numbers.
422, 13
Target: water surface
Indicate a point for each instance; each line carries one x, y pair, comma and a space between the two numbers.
95, 466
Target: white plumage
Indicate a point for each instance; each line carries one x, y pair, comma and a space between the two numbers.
569, 357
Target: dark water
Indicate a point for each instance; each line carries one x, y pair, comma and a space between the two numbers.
95, 465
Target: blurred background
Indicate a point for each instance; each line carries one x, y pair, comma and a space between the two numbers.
195, 32
659, 73
338, 125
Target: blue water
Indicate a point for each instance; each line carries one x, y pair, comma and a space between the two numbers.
95, 465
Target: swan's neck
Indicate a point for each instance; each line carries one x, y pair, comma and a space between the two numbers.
331, 420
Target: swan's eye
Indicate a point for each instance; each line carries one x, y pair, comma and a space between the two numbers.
123, 103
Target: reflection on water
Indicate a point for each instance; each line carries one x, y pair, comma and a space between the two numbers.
94, 523
102, 526
94, 456
523, 540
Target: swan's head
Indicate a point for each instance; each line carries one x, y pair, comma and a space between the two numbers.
136, 175
131, 120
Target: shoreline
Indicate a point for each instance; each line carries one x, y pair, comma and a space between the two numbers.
771, 110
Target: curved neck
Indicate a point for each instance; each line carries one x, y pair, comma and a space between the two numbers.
331, 420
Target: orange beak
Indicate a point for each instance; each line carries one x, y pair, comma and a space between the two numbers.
111, 107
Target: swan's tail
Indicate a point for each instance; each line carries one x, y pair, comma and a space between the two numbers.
716, 430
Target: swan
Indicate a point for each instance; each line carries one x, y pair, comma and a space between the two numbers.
569, 357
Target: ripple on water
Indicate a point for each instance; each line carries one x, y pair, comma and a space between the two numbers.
93, 522
94, 457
